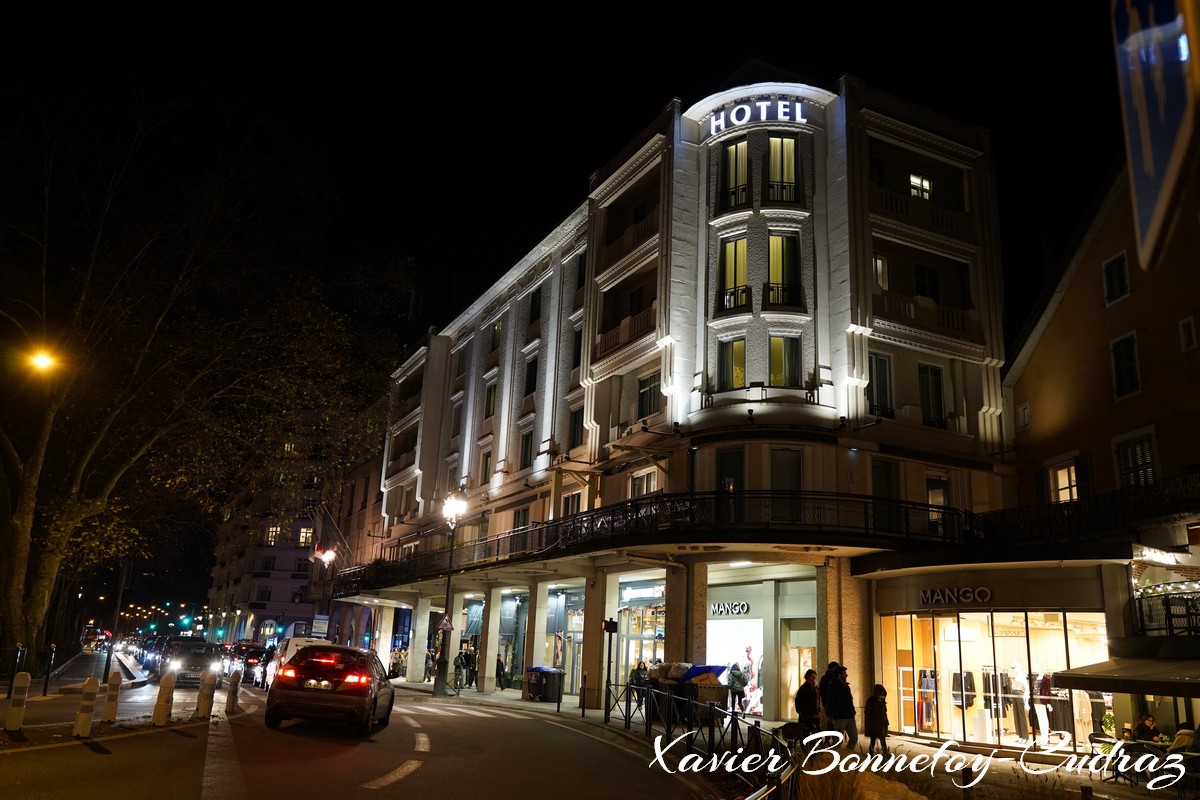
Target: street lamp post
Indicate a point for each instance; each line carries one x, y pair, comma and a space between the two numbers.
453, 508
327, 558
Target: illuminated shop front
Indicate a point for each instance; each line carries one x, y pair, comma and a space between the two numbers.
971, 655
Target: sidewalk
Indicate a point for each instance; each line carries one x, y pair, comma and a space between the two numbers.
50, 721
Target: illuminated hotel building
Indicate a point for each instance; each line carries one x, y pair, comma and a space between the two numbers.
745, 401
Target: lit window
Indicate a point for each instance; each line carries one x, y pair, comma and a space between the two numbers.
649, 396
880, 264
735, 175
1063, 486
734, 293
289, 447
272, 536
643, 484
781, 166
1125, 366
731, 365
497, 330
785, 361
784, 270
306, 537
1116, 279
920, 186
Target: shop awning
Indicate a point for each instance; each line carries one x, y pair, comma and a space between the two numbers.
1166, 677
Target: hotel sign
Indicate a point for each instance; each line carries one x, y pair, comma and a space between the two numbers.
955, 595
763, 109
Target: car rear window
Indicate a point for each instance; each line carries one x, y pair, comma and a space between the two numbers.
328, 659
196, 650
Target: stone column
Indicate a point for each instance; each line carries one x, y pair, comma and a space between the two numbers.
418, 643
489, 640
600, 603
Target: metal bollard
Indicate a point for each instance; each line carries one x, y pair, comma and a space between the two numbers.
87, 708
204, 698
968, 776
49, 668
231, 698
111, 696
16, 710
165, 701
17, 662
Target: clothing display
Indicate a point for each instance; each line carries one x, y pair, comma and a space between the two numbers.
962, 689
926, 700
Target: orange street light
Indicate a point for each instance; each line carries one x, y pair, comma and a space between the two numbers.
42, 361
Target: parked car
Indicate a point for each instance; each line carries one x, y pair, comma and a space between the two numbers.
189, 660
330, 682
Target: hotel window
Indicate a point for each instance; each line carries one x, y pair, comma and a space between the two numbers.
920, 186
535, 305
497, 330
575, 431
1125, 366
571, 503
580, 270
735, 175
458, 362
272, 536
879, 385
1135, 461
927, 284
577, 349
306, 537
785, 361
526, 450
456, 420
485, 467
1187, 334
1116, 279
782, 185
784, 270
1063, 485
649, 397
734, 293
489, 401
644, 484
531, 367
933, 411
731, 365
880, 265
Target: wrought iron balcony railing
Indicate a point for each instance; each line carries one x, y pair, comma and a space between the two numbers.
1169, 609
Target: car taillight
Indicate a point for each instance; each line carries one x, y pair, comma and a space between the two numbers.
288, 672
353, 678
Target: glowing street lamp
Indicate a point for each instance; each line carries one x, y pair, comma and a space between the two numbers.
454, 507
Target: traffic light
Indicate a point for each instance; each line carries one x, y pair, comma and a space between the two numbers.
220, 631
153, 625
186, 620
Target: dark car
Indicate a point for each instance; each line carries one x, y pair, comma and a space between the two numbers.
250, 663
332, 683
189, 660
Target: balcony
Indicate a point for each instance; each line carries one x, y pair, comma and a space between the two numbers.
627, 242
630, 329
784, 192
925, 314
733, 300
1169, 609
784, 296
922, 213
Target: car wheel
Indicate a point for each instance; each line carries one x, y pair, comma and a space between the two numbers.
364, 727
273, 719
387, 718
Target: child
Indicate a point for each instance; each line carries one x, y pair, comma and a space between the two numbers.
875, 719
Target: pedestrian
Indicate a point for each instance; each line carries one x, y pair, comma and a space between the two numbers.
428, 667
639, 677
823, 690
404, 663
841, 708
470, 665
808, 704
501, 681
737, 689
875, 719
394, 665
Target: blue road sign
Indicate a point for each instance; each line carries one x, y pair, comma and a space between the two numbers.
1158, 103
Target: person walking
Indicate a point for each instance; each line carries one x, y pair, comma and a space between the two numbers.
808, 704
404, 663
737, 689
428, 666
875, 719
841, 708
501, 682
823, 691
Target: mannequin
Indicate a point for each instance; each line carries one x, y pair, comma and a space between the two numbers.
1039, 687
1020, 697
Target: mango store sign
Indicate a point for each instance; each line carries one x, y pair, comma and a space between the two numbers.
763, 109
955, 595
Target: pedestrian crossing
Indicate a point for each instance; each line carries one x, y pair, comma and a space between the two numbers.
447, 710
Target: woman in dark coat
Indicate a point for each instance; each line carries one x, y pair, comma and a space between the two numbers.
875, 719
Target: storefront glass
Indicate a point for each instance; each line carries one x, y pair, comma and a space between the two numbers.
986, 677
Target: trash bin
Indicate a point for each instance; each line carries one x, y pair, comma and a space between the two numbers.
552, 685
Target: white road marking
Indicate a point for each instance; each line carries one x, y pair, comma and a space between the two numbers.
515, 714
222, 770
411, 722
400, 772
422, 744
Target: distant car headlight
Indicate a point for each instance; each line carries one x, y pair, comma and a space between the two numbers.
175, 664
215, 666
